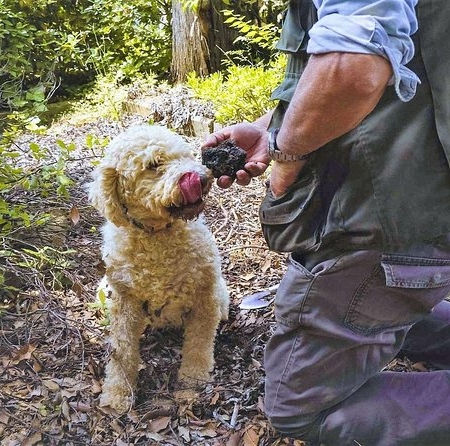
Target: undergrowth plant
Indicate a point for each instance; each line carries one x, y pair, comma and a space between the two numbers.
29, 174
108, 96
241, 93
45, 44
263, 35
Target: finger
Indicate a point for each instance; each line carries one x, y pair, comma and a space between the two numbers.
224, 182
256, 168
243, 178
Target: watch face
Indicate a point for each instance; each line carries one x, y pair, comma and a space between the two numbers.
272, 149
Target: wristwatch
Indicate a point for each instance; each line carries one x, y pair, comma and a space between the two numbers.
277, 155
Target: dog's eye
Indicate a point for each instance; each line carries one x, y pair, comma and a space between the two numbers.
152, 166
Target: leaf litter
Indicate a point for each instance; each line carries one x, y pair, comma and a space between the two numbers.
53, 338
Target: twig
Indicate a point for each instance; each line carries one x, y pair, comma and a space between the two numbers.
235, 248
234, 415
227, 218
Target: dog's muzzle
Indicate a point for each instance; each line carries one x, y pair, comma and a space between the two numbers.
192, 187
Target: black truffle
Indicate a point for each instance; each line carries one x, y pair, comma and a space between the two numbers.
225, 159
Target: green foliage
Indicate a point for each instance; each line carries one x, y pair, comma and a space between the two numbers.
48, 176
258, 26
108, 96
242, 93
132, 36
46, 171
94, 142
102, 305
41, 173
45, 42
191, 5
46, 258
263, 36
15, 37
29, 45
47, 263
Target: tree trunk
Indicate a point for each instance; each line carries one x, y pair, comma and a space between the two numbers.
199, 40
189, 46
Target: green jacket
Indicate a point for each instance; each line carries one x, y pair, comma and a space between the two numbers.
385, 184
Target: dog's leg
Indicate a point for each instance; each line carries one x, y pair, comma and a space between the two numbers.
223, 297
127, 324
198, 347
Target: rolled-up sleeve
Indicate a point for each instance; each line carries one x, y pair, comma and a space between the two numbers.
382, 27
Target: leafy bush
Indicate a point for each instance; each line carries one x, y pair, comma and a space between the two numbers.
44, 172
44, 43
257, 24
242, 93
29, 174
264, 35
132, 36
108, 96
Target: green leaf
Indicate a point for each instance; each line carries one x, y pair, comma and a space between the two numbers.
64, 180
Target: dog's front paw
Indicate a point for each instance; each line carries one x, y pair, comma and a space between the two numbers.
185, 395
189, 382
118, 399
190, 377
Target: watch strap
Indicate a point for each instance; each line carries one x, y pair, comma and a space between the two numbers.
277, 155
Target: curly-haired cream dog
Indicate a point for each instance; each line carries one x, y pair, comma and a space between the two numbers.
162, 263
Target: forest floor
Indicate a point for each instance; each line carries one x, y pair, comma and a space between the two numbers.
53, 333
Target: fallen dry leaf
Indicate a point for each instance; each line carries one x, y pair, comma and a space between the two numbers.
251, 437
32, 440
184, 433
51, 384
234, 439
74, 215
24, 353
4, 417
158, 424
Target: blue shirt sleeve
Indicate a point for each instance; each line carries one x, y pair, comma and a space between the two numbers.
382, 27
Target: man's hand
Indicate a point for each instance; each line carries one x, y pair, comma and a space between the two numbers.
252, 137
284, 175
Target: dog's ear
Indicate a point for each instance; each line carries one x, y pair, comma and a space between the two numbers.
104, 197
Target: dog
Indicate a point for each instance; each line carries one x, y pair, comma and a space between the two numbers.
163, 266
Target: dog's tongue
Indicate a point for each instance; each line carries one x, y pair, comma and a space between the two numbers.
191, 187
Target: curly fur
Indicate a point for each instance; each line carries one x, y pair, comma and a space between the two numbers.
162, 263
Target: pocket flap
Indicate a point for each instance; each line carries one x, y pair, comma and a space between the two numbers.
292, 222
285, 209
415, 272
292, 34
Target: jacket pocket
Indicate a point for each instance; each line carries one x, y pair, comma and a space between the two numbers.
292, 222
399, 292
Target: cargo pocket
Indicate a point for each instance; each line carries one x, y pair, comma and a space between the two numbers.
291, 294
292, 222
399, 292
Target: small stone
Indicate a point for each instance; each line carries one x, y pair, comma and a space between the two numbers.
225, 159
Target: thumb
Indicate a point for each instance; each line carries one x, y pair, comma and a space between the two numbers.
213, 140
